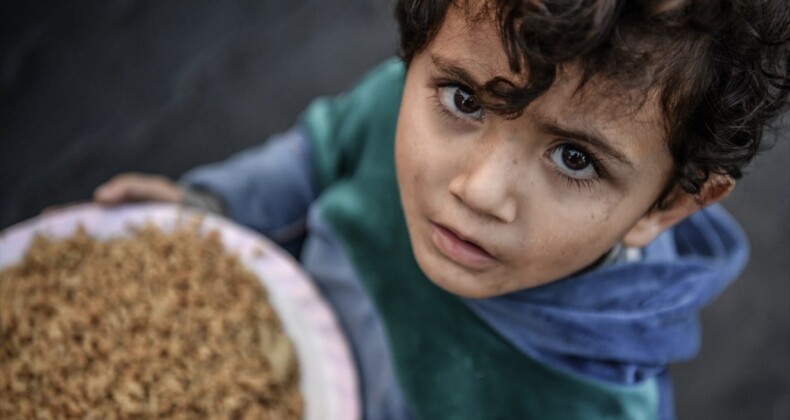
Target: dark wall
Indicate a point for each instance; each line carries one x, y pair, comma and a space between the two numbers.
90, 90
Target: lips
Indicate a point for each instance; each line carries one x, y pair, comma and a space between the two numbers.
462, 251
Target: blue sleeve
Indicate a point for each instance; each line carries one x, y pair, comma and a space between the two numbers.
268, 188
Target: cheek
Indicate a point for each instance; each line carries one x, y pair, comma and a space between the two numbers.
410, 156
417, 151
407, 157
574, 238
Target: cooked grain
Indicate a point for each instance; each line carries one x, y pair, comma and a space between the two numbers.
153, 325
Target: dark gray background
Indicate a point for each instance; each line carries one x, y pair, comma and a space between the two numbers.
92, 88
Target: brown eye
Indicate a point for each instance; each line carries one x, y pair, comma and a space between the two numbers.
465, 102
573, 162
459, 102
574, 159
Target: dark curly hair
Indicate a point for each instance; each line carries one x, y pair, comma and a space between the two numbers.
721, 67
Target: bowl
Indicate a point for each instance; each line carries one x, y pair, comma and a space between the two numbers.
328, 379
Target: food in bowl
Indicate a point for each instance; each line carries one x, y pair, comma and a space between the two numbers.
155, 324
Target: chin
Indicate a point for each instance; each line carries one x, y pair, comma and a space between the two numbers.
464, 292
460, 284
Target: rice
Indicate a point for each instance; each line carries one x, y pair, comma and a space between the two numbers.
153, 325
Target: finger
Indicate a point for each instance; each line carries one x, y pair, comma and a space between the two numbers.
57, 207
137, 187
152, 188
112, 190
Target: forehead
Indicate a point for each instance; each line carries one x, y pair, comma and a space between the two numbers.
467, 36
470, 39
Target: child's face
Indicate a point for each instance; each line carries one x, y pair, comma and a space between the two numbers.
496, 205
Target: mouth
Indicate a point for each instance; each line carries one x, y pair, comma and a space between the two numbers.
460, 249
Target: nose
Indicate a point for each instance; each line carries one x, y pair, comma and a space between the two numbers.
484, 186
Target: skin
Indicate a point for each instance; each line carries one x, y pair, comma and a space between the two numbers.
490, 203
137, 187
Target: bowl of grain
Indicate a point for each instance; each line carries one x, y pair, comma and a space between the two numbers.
155, 310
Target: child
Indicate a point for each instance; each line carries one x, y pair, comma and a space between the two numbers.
509, 220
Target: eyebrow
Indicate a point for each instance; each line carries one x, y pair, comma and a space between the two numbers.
455, 70
593, 138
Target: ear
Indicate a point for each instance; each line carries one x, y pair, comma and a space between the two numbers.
679, 205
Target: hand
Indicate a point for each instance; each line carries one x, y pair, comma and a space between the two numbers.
137, 187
